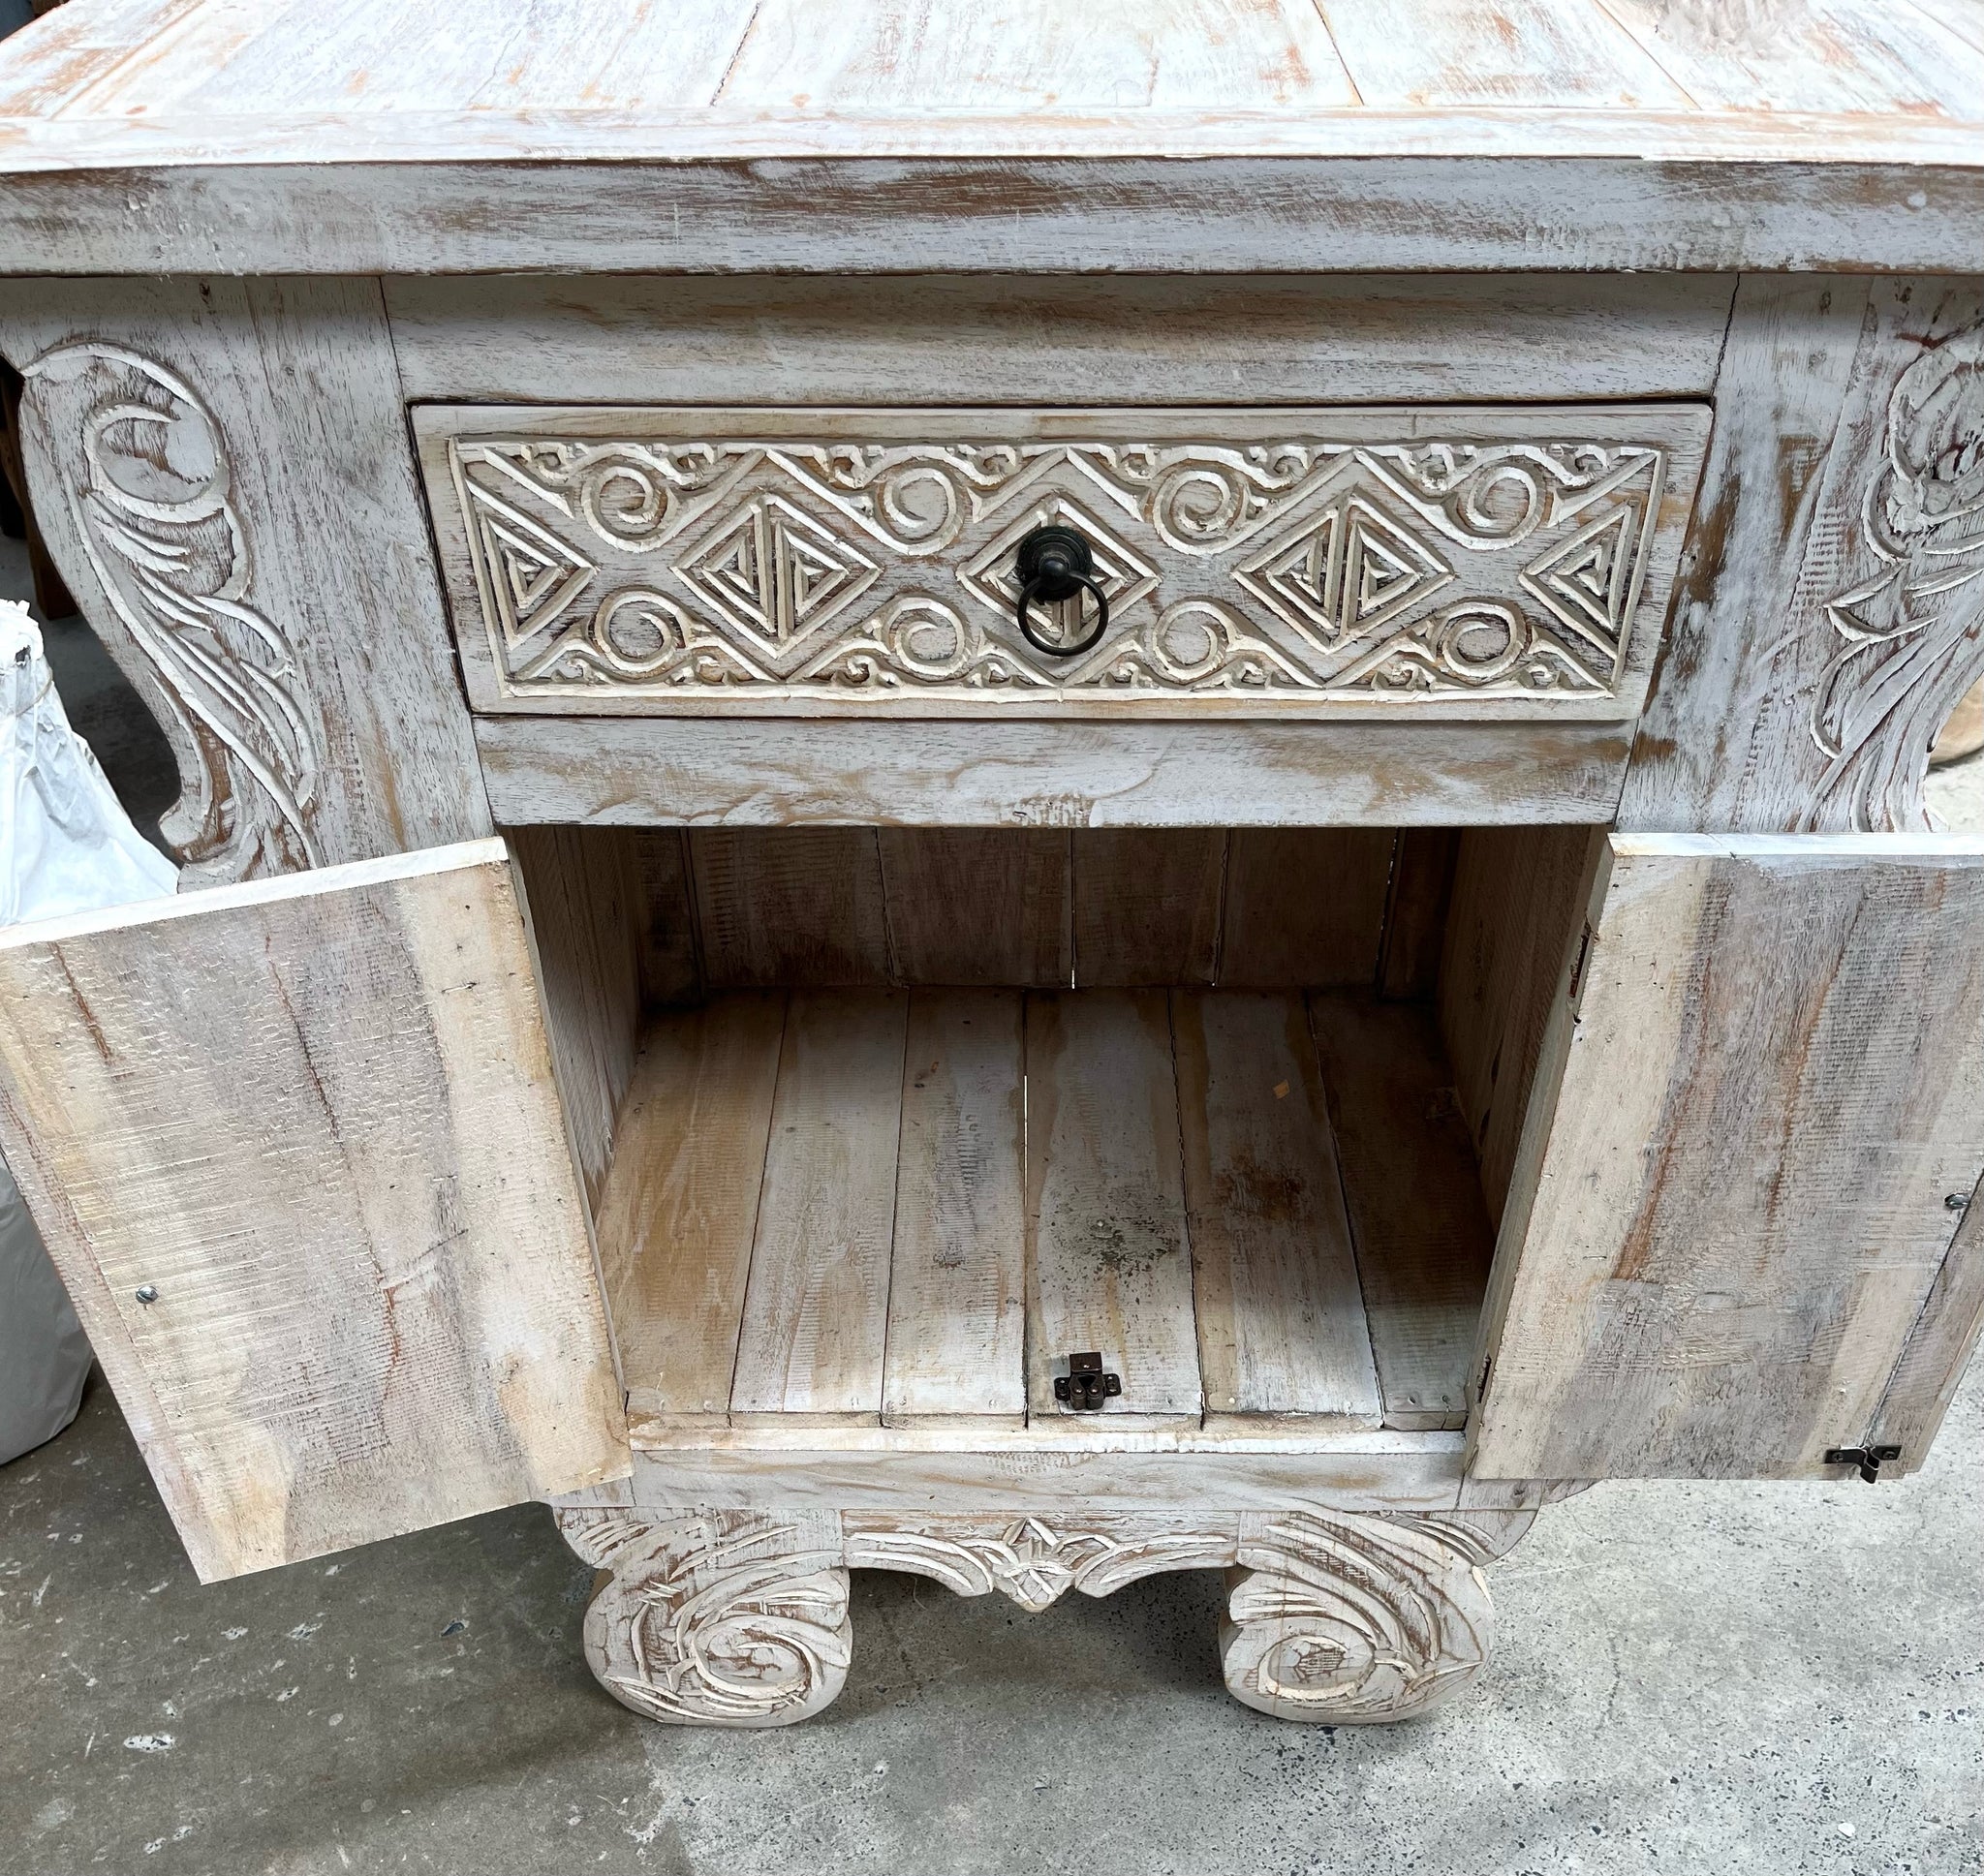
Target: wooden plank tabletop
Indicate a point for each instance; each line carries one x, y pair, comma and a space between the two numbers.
249, 93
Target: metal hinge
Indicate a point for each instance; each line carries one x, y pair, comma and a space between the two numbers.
1085, 1386
1868, 1458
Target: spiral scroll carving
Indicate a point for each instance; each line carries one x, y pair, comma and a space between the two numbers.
723, 1619
1350, 1620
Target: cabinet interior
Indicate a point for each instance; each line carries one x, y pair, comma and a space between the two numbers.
879, 1126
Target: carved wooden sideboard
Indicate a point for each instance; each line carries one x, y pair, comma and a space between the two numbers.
705, 979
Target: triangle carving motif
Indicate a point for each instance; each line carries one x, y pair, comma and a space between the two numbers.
777, 572
1587, 581
532, 575
1345, 572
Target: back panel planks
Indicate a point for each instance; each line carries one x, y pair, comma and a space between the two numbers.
789, 905
978, 906
1304, 906
1109, 1264
1281, 1322
1423, 1234
1517, 898
815, 1310
681, 1207
1147, 905
957, 1285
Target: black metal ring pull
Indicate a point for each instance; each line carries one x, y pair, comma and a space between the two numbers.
1055, 564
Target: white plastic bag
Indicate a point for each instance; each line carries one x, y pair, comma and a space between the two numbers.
65, 845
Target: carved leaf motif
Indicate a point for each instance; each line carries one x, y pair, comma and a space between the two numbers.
1912, 633
151, 488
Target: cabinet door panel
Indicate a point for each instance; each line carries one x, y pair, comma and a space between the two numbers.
1767, 1063
297, 1151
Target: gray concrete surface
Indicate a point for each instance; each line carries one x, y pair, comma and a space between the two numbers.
1722, 1678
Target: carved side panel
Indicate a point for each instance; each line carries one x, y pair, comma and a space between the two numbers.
1909, 637
1515, 561
1830, 611
149, 488
223, 473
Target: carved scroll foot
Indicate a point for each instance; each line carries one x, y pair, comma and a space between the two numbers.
1353, 1620
722, 1619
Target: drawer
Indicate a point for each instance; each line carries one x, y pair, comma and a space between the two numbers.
1489, 563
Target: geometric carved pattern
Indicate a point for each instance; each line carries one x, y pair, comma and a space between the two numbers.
1911, 634
740, 1618
701, 559
150, 486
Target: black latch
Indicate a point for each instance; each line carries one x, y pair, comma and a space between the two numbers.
1868, 1458
1085, 1387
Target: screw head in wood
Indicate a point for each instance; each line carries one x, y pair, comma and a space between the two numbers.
1957, 1202
147, 1293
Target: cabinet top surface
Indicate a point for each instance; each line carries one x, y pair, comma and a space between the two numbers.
105, 89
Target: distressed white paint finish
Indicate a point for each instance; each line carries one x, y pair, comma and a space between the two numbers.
1510, 561
1763, 1076
1275, 338
314, 1120
252, 551
740, 1617
781, 771
1557, 133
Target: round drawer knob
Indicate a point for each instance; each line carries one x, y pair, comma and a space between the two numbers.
1056, 563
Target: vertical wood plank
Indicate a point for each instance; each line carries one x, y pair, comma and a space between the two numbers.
789, 905
1305, 906
679, 1214
1415, 912
815, 1310
957, 1291
1938, 1347
670, 970
979, 905
1147, 905
1766, 1075
1108, 1262
316, 1118
1281, 1320
1414, 1201
1518, 896
578, 895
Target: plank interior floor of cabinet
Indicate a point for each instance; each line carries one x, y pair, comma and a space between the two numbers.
891, 1215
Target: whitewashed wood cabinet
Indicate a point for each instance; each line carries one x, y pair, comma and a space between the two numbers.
1423, 984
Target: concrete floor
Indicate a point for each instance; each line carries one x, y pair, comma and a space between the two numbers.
1718, 1677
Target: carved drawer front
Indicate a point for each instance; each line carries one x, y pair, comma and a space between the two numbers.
1507, 561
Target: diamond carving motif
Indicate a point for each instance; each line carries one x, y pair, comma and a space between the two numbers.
700, 560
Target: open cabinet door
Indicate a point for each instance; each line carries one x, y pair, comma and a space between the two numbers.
295, 1148
1731, 1240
